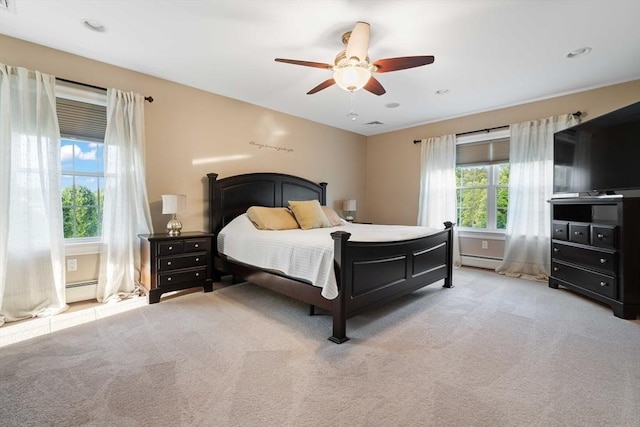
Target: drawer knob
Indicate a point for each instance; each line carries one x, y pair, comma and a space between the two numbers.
577, 233
556, 250
558, 230
197, 259
168, 279
600, 236
170, 248
169, 263
556, 268
196, 245
603, 284
197, 274
603, 261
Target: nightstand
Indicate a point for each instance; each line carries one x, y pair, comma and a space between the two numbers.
171, 263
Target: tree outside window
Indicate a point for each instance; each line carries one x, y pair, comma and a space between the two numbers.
482, 196
82, 188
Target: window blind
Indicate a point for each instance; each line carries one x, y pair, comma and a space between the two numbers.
81, 120
483, 152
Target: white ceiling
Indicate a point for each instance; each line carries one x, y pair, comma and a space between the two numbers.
489, 54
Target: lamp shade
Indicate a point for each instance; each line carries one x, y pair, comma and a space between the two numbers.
349, 205
174, 203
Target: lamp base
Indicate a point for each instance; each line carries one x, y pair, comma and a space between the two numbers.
174, 226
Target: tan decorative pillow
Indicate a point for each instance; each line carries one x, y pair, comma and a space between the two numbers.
309, 214
332, 216
271, 218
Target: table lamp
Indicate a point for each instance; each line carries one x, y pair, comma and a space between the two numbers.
349, 207
174, 204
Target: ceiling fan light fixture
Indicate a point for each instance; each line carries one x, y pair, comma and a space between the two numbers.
351, 78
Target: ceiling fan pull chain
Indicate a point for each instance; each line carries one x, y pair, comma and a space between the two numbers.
352, 115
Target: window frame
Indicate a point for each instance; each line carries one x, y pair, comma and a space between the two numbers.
80, 245
492, 177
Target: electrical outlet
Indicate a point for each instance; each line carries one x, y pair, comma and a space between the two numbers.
72, 264
485, 244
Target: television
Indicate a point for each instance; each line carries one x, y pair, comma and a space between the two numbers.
600, 156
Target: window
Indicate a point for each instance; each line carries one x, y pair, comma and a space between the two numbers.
482, 179
82, 118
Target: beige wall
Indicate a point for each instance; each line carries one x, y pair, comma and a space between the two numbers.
190, 133
393, 160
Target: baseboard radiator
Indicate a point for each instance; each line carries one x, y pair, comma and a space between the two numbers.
480, 262
81, 291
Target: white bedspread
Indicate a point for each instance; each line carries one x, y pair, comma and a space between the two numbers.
303, 254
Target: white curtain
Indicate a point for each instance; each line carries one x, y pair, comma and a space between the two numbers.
31, 236
528, 231
437, 202
126, 209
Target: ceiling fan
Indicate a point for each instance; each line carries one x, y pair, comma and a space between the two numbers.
352, 69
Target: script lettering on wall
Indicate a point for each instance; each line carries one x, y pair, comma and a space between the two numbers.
271, 147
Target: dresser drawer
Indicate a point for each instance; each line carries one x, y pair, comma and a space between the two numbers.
182, 261
605, 262
579, 232
194, 276
596, 282
172, 247
560, 230
604, 236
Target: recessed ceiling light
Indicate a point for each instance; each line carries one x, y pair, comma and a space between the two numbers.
94, 25
578, 52
442, 91
392, 105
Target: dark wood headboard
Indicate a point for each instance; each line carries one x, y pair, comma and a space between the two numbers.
232, 196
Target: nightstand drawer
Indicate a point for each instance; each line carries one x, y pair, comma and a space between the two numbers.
194, 276
605, 262
182, 261
195, 245
599, 283
169, 248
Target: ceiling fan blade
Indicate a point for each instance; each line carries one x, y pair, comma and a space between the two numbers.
374, 87
325, 84
305, 63
402, 63
358, 44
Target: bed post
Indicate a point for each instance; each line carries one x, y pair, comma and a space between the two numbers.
448, 281
217, 276
339, 304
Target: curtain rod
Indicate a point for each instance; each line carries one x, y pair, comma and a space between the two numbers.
418, 141
146, 98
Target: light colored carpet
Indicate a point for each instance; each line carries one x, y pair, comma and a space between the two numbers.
493, 351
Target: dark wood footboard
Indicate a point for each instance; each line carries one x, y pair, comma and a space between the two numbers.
373, 273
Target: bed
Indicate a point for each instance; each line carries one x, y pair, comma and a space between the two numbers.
367, 273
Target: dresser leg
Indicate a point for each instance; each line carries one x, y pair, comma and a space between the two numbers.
154, 296
208, 287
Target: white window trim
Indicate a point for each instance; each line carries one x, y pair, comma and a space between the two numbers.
86, 246
89, 245
494, 234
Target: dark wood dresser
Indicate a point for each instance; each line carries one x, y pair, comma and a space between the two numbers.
171, 263
595, 250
